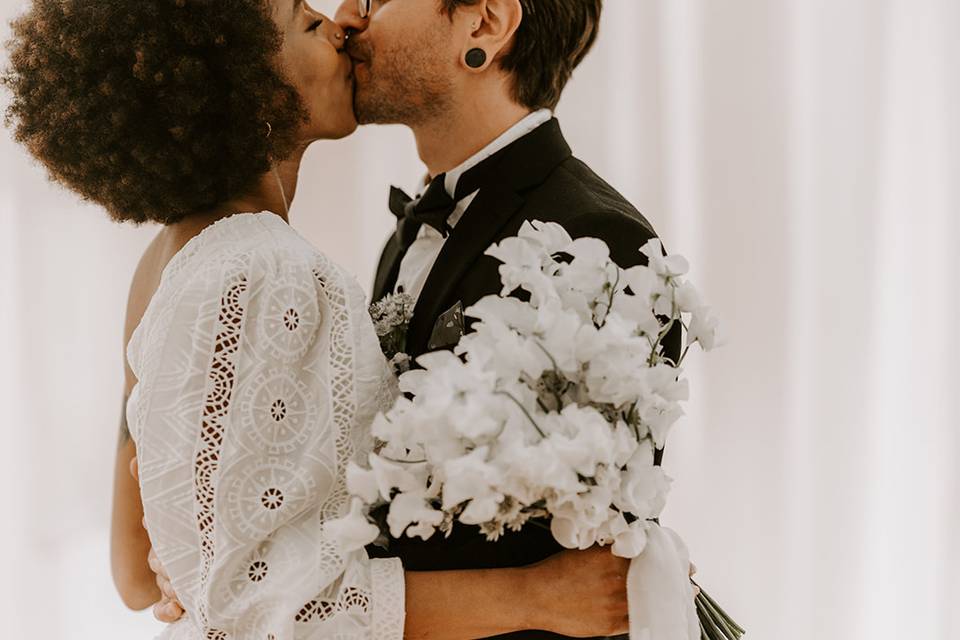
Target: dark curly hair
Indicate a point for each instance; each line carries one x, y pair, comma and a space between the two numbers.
155, 109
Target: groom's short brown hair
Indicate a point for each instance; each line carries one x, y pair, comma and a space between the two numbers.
553, 38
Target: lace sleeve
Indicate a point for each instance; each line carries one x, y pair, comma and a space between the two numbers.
248, 420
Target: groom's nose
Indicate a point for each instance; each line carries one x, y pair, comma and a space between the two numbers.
348, 17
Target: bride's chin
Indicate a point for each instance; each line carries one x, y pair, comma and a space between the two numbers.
348, 128
337, 128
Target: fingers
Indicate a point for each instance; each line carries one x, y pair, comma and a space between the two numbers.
154, 562
167, 611
166, 588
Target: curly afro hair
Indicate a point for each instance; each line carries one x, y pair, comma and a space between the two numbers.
155, 109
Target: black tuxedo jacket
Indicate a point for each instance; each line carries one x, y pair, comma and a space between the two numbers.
535, 178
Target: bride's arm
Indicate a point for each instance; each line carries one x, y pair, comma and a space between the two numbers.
129, 543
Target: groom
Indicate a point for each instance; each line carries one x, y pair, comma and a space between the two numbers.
476, 81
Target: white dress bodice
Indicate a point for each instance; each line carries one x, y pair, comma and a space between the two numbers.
259, 373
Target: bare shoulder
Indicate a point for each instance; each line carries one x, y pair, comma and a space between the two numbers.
144, 284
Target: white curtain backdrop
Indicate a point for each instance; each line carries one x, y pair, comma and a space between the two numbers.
803, 154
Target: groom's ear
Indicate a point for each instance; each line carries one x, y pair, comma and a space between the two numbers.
490, 26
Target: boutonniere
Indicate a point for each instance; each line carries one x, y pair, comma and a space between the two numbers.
391, 318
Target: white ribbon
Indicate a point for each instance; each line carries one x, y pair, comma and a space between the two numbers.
659, 591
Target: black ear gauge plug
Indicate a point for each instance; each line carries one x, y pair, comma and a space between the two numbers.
476, 58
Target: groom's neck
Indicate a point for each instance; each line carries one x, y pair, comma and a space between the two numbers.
450, 139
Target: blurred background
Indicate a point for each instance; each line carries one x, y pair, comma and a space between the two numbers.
803, 154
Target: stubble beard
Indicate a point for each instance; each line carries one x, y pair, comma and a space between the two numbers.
406, 85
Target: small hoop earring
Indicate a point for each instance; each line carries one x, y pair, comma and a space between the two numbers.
476, 58
269, 129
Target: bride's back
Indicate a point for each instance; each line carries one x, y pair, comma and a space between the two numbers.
258, 373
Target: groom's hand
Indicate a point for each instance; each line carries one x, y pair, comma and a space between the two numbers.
582, 593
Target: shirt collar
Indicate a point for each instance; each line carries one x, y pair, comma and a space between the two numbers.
530, 122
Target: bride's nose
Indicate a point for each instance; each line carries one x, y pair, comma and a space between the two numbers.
334, 33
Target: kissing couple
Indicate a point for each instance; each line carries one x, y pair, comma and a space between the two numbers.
253, 368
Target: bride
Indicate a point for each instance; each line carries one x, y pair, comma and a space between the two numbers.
253, 368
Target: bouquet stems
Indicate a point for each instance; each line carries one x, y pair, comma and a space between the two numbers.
715, 623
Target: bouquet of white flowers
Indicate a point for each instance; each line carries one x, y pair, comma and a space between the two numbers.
552, 407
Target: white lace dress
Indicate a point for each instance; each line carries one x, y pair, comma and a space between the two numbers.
259, 373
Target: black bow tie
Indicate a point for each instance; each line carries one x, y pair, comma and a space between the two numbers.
433, 208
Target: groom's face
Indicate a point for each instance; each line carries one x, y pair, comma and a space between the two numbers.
404, 60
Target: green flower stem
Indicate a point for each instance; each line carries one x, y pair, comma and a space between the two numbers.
715, 623
525, 412
715, 607
713, 632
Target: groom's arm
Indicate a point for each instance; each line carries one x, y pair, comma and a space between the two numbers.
573, 593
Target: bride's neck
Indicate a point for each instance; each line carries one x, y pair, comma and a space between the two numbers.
273, 191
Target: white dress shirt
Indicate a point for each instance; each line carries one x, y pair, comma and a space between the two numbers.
422, 254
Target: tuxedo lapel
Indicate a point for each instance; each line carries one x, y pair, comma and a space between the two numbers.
521, 165
388, 270
487, 214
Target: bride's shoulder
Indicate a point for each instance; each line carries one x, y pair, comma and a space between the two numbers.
255, 246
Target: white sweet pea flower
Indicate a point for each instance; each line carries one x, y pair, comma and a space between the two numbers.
523, 263
590, 269
550, 236
625, 444
617, 364
580, 438
482, 509
703, 329
664, 266
510, 312
501, 346
362, 483
688, 298
664, 301
556, 334
565, 532
643, 487
390, 476
536, 469
659, 404
412, 508
468, 477
632, 542
353, 531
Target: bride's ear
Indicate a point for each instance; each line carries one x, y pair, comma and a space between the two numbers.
490, 26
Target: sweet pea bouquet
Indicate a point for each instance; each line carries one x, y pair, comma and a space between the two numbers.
551, 409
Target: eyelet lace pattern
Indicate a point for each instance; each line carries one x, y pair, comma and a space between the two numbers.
259, 374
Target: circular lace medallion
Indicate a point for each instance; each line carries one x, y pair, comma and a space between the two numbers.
280, 414
248, 517
289, 320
